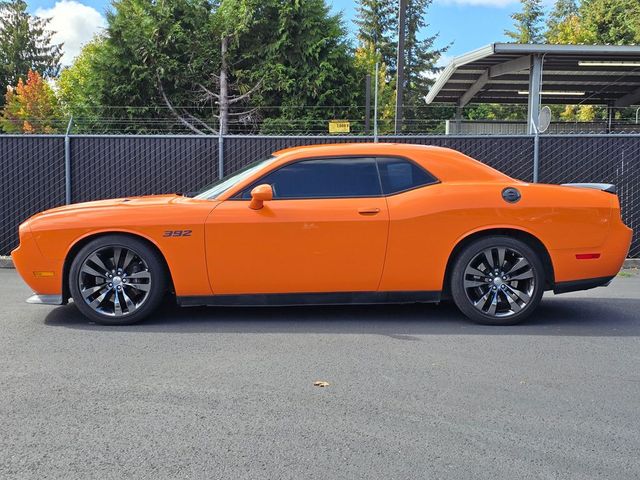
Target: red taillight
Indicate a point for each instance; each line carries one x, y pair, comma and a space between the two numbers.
587, 256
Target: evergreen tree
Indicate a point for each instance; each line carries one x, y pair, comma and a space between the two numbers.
420, 57
25, 44
527, 23
311, 67
377, 23
152, 58
614, 22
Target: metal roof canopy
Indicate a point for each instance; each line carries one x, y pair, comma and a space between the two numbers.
520, 73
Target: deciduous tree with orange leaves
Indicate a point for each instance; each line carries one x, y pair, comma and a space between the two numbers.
31, 107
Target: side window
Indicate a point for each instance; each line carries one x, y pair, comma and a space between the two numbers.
398, 175
323, 178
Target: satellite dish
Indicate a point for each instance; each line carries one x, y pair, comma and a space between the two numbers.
544, 119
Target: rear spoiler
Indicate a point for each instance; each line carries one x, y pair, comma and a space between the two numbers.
605, 187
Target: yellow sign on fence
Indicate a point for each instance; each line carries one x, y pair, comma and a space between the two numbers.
339, 126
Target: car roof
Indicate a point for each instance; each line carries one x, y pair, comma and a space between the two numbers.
445, 163
363, 147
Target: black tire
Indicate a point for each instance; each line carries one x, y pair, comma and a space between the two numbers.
145, 262
469, 290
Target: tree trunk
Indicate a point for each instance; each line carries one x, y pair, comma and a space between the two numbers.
224, 88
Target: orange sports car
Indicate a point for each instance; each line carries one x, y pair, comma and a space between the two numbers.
342, 224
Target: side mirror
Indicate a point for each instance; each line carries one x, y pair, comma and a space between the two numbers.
259, 195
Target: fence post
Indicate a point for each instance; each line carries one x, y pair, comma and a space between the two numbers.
67, 163
220, 155
536, 156
375, 107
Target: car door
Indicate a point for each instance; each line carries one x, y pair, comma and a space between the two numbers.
324, 231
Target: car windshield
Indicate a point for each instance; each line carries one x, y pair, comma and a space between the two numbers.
218, 188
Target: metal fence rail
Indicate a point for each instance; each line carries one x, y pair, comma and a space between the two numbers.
107, 166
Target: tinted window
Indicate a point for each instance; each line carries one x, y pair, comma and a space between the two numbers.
323, 178
398, 175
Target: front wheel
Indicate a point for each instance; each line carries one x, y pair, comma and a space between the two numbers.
117, 280
497, 280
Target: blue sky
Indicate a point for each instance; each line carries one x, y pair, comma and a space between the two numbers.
468, 24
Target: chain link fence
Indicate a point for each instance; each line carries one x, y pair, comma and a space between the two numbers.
109, 166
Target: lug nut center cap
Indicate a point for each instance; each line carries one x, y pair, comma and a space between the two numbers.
497, 281
117, 281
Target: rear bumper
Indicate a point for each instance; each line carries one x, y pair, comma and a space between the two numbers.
569, 269
585, 284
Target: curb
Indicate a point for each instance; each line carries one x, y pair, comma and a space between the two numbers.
6, 262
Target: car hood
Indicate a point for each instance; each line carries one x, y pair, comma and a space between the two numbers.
114, 202
95, 208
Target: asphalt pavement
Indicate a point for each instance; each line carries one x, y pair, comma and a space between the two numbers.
415, 392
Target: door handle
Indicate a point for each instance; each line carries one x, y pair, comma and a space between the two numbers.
368, 211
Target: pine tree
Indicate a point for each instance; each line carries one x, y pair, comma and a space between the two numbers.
564, 13
377, 23
25, 44
420, 62
613, 22
528, 23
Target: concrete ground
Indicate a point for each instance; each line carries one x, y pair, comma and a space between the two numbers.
415, 392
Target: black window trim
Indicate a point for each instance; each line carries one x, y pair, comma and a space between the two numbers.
237, 196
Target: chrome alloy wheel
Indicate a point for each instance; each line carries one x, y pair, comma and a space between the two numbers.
499, 281
114, 281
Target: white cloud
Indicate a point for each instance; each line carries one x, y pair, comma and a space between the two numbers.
74, 23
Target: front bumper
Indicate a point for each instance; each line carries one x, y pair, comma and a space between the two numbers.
42, 274
45, 299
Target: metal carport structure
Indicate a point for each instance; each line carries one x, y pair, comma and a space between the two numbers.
523, 73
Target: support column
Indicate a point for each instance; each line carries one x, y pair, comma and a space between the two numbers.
535, 84
458, 119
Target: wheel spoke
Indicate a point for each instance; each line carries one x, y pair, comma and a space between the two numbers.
515, 306
474, 283
493, 305
117, 309
140, 275
145, 287
518, 265
127, 301
92, 271
474, 271
87, 292
501, 254
520, 294
482, 300
98, 261
100, 298
117, 251
127, 260
488, 255
522, 276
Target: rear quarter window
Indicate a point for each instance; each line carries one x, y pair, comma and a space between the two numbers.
398, 175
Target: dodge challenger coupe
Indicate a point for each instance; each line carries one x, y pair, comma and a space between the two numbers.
342, 224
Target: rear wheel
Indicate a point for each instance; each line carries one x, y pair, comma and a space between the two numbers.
117, 280
497, 280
